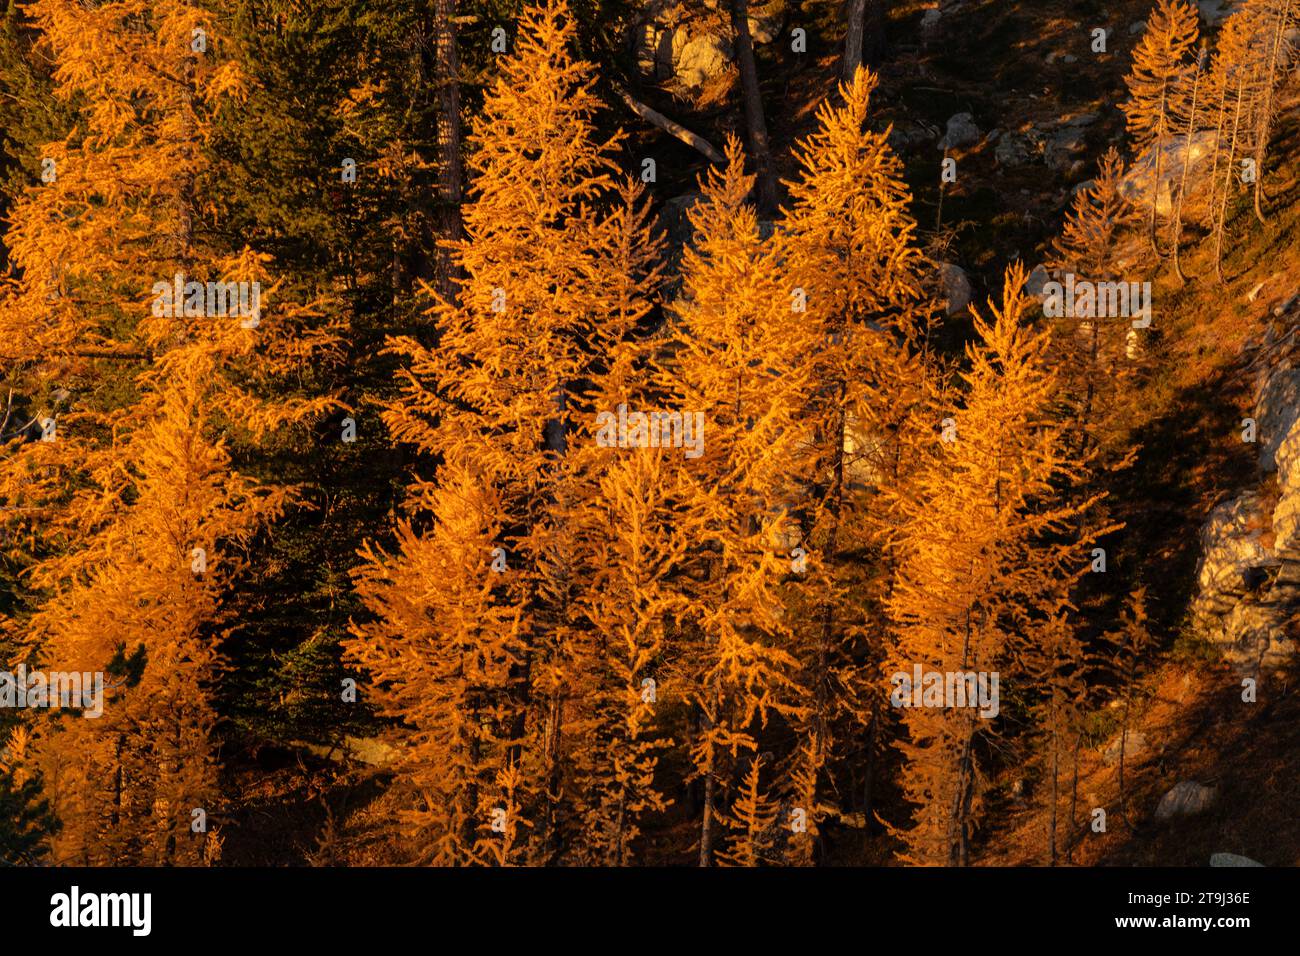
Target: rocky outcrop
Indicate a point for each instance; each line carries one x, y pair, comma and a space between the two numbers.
1276, 413
1185, 799
1136, 186
956, 288
1247, 601
961, 131
1232, 859
686, 49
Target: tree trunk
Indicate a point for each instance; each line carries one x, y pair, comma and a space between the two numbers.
753, 103
1266, 113
1074, 796
707, 826
958, 820
853, 41
450, 172
1187, 162
1056, 776
1227, 184
655, 118
865, 42
1123, 745
1157, 146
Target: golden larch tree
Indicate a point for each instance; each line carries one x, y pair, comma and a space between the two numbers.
736, 357
136, 513
986, 557
557, 262
1155, 103
853, 271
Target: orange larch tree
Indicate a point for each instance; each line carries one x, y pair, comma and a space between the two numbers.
854, 274
736, 360
558, 267
987, 558
162, 344
1156, 101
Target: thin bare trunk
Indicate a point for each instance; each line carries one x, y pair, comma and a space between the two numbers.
1227, 183
1157, 146
672, 128
1056, 758
707, 826
853, 41
1187, 162
753, 102
1266, 113
450, 171
1074, 795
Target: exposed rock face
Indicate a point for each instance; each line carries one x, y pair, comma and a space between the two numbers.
962, 131
1286, 514
1276, 413
956, 287
700, 58
688, 50
1136, 186
1184, 799
1248, 581
1244, 599
1232, 551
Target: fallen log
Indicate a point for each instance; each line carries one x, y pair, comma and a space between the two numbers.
655, 118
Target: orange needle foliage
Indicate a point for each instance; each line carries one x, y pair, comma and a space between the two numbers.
987, 557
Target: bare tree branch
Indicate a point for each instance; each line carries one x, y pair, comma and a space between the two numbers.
656, 118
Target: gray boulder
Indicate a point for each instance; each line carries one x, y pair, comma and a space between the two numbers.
956, 287
1231, 859
930, 23
962, 131
1276, 412
1013, 150
1036, 282
1137, 184
1213, 12
1065, 146
1186, 798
